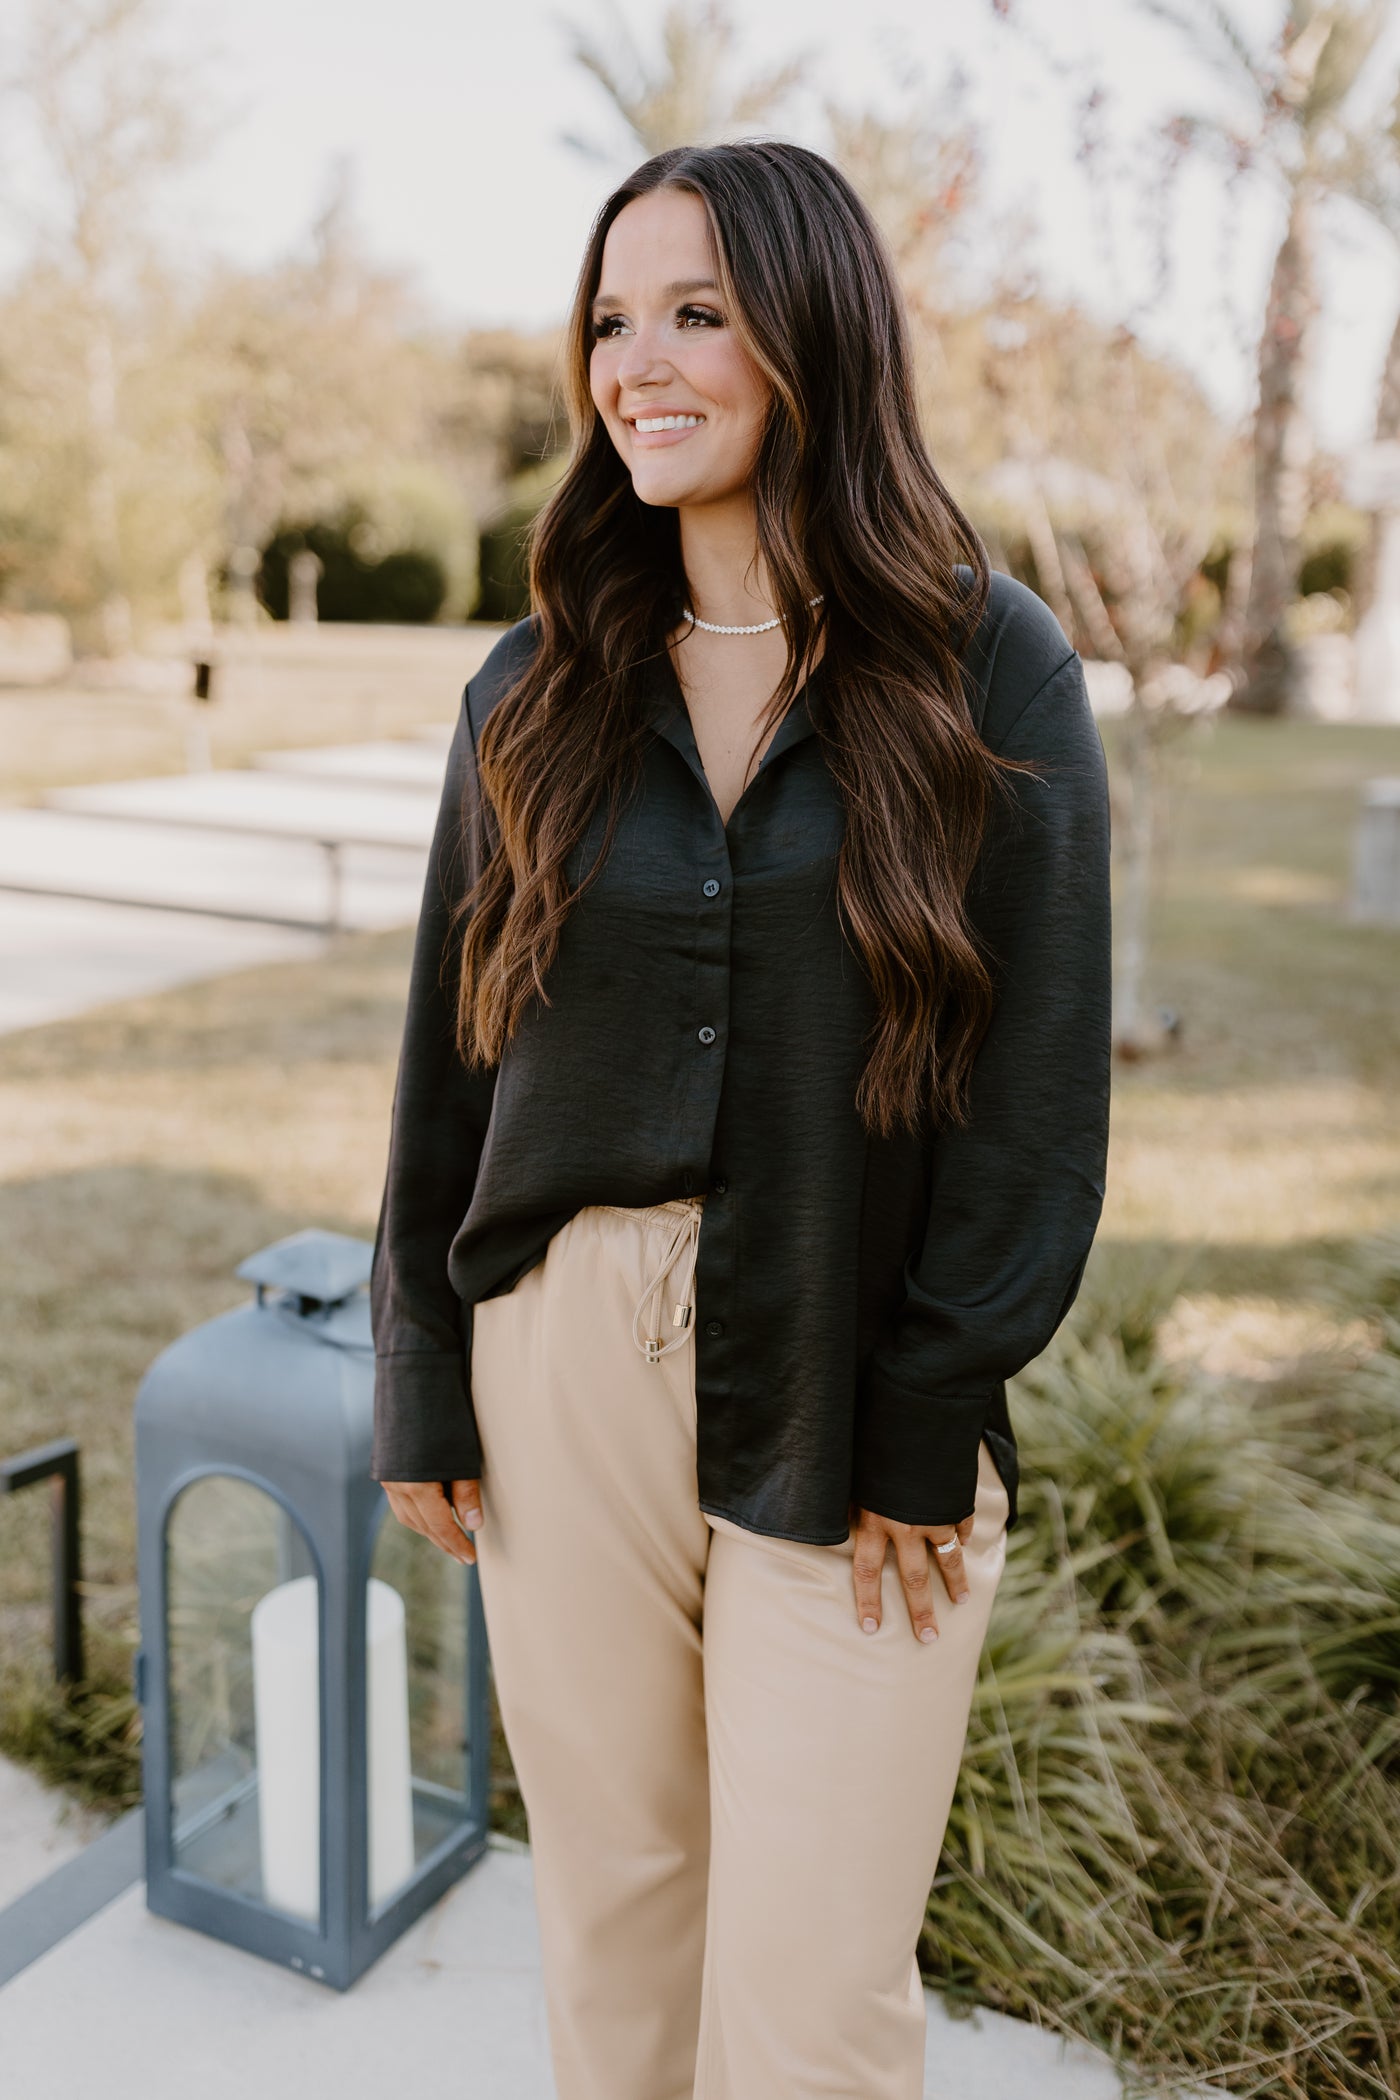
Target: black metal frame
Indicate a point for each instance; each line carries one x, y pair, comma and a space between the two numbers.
58, 1462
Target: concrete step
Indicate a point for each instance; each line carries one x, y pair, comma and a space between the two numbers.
409, 764
262, 803
281, 881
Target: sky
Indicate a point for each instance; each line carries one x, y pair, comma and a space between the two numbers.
450, 126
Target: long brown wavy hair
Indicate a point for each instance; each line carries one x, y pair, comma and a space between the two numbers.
848, 502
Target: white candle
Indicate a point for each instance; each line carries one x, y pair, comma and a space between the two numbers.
287, 1714
390, 1768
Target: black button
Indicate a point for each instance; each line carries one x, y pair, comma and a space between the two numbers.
714, 1327
719, 1186
712, 888
707, 1035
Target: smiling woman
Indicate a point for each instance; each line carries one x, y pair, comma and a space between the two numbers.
686, 405
749, 1134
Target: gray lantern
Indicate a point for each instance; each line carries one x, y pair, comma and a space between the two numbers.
313, 1675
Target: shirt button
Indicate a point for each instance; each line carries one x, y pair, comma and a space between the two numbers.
719, 1186
712, 888
714, 1327
707, 1035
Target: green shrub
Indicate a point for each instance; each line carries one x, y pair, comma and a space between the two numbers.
1178, 1825
503, 568
406, 585
84, 1737
1327, 568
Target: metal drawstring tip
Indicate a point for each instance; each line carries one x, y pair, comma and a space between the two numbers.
653, 1348
681, 1316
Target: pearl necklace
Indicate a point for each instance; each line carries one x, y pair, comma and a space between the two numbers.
763, 627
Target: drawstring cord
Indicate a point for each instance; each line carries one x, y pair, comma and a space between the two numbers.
651, 1345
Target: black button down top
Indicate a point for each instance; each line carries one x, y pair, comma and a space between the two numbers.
861, 1300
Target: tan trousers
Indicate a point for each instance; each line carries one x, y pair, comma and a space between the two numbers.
736, 1797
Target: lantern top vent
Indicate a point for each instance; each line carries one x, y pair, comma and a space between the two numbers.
318, 1269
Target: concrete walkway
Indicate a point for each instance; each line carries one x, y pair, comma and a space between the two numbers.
132, 887
39, 1829
61, 956
456, 2006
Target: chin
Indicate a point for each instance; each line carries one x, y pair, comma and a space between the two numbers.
662, 494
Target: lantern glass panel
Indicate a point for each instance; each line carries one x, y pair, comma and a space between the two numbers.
417, 1719
245, 1726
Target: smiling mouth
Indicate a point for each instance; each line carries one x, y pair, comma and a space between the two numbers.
650, 431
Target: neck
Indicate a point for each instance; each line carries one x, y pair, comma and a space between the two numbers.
723, 567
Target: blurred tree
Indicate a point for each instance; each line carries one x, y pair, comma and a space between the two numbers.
918, 173
253, 401
1295, 92
322, 384
160, 484
1365, 166
505, 579
1120, 554
679, 97
111, 112
501, 416
1126, 491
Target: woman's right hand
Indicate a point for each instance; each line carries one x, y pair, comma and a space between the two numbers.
428, 1505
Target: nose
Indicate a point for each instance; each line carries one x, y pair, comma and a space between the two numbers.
642, 359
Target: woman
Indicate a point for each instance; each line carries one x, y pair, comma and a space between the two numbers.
749, 1134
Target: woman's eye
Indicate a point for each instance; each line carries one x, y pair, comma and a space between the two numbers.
607, 324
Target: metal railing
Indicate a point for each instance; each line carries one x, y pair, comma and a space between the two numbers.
58, 1463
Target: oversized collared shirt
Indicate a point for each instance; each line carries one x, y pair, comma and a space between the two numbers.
860, 1301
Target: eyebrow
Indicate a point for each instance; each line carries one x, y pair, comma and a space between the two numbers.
668, 291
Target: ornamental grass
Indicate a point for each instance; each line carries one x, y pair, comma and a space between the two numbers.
1177, 1832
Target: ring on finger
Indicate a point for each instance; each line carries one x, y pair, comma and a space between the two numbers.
948, 1546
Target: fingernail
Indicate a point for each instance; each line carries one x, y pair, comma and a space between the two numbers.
870, 1625
472, 1519
928, 1633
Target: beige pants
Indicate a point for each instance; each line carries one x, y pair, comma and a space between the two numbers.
736, 1797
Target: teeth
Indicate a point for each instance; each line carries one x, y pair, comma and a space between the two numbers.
667, 422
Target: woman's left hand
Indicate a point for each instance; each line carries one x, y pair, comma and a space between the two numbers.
914, 1556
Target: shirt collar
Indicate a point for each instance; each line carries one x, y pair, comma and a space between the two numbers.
670, 717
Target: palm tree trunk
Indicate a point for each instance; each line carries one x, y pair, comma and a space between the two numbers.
1133, 1033
1282, 454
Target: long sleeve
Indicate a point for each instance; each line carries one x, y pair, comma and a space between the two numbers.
424, 1427
1016, 1192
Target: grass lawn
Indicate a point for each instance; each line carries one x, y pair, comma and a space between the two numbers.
1269, 1139
145, 1149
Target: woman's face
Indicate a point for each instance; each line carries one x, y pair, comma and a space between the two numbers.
663, 348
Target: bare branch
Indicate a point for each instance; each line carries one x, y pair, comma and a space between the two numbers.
678, 97
1216, 38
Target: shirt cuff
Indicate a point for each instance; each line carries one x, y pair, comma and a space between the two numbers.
424, 1423
916, 1454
